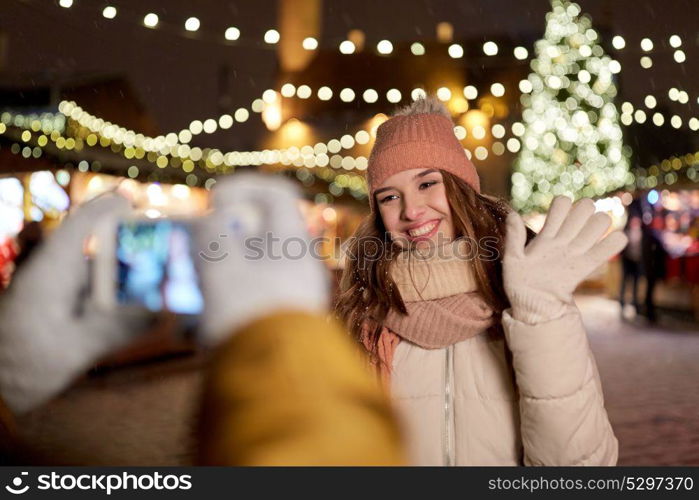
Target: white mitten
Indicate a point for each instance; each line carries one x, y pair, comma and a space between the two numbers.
49, 331
244, 270
540, 278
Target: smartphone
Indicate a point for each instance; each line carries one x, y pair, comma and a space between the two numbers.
146, 264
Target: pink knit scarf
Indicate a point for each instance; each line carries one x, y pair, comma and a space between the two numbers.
437, 323
442, 302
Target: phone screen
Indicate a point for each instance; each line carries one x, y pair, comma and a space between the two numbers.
155, 269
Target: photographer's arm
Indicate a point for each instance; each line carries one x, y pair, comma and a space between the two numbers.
290, 389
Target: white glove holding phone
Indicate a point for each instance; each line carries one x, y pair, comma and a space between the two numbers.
540, 278
243, 271
49, 331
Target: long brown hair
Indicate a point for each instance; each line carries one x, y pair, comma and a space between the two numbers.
367, 291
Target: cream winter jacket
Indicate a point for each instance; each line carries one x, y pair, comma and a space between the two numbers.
466, 404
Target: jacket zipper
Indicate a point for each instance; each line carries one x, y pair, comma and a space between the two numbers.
448, 407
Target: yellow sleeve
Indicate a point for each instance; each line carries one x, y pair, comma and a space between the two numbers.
289, 389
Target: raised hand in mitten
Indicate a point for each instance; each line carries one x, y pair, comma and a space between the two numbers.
244, 271
540, 278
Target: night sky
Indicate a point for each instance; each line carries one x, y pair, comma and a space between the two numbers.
176, 76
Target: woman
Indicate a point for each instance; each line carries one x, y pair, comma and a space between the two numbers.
477, 337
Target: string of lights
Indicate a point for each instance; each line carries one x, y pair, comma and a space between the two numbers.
138, 145
192, 25
353, 44
32, 146
169, 151
630, 114
263, 105
326, 153
175, 143
320, 155
669, 171
314, 163
173, 150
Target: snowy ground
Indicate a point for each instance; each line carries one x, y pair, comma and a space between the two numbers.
650, 376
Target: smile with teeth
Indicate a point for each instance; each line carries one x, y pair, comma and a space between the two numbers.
424, 229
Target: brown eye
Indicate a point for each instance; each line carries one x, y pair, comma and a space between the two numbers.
427, 185
388, 198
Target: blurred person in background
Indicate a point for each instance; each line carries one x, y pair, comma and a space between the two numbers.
8, 253
631, 261
652, 257
15, 251
28, 240
284, 385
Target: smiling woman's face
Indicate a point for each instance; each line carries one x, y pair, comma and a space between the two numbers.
414, 207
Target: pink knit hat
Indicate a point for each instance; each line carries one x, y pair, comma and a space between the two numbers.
415, 139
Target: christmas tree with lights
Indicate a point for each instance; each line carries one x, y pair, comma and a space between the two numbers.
572, 141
